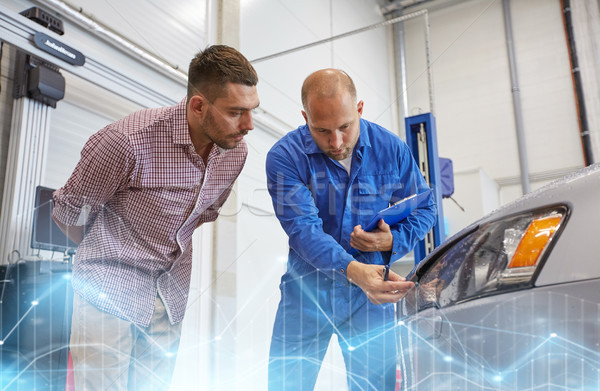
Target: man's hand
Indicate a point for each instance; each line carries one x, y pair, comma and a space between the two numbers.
379, 240
370, 279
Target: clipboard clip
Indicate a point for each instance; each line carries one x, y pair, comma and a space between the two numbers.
403, 200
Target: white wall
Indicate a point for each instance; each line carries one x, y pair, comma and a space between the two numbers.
474, 109
269, 27
476, 193
473, 91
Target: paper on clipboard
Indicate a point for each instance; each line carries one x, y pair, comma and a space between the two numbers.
397, 212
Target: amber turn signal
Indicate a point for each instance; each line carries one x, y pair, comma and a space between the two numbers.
534, 241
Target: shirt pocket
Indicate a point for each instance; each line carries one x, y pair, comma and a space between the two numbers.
375, 192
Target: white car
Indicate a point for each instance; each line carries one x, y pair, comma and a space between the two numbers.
513, 301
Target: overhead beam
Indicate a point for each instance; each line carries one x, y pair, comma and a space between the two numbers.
18, 31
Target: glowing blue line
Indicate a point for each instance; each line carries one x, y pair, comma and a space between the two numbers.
595, 353
411, 331
30, 364
18, 323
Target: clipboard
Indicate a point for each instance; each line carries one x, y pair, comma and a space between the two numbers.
395, 213
398, 211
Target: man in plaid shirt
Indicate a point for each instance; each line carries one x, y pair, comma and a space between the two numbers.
142, 186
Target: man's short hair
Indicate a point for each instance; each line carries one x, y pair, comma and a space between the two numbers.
215, 66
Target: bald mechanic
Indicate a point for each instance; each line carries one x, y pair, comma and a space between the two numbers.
326, 179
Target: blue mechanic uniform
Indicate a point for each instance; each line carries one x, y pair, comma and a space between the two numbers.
318, 204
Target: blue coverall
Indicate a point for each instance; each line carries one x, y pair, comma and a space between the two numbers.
318, 204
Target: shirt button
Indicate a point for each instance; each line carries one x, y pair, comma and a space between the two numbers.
342, 271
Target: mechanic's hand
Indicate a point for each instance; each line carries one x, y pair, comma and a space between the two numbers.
370, 279
380, 239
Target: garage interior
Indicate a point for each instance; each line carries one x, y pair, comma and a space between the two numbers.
511, 88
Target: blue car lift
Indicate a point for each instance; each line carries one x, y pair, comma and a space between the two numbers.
421, 137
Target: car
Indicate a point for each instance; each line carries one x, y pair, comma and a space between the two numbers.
512, 302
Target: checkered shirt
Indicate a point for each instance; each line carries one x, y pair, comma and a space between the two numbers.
141, 190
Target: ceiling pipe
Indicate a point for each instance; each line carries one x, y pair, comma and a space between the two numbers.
77, 15
516, 95
343, 35
400, 66
388, 22
398, 6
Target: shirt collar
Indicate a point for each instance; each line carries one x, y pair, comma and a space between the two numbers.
181, 130
310, 147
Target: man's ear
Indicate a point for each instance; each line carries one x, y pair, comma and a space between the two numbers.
305, 117
197, 105
359, 107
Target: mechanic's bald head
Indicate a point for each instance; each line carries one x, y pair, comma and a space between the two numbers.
326, 83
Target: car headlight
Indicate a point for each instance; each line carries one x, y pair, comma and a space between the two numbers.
502, 255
